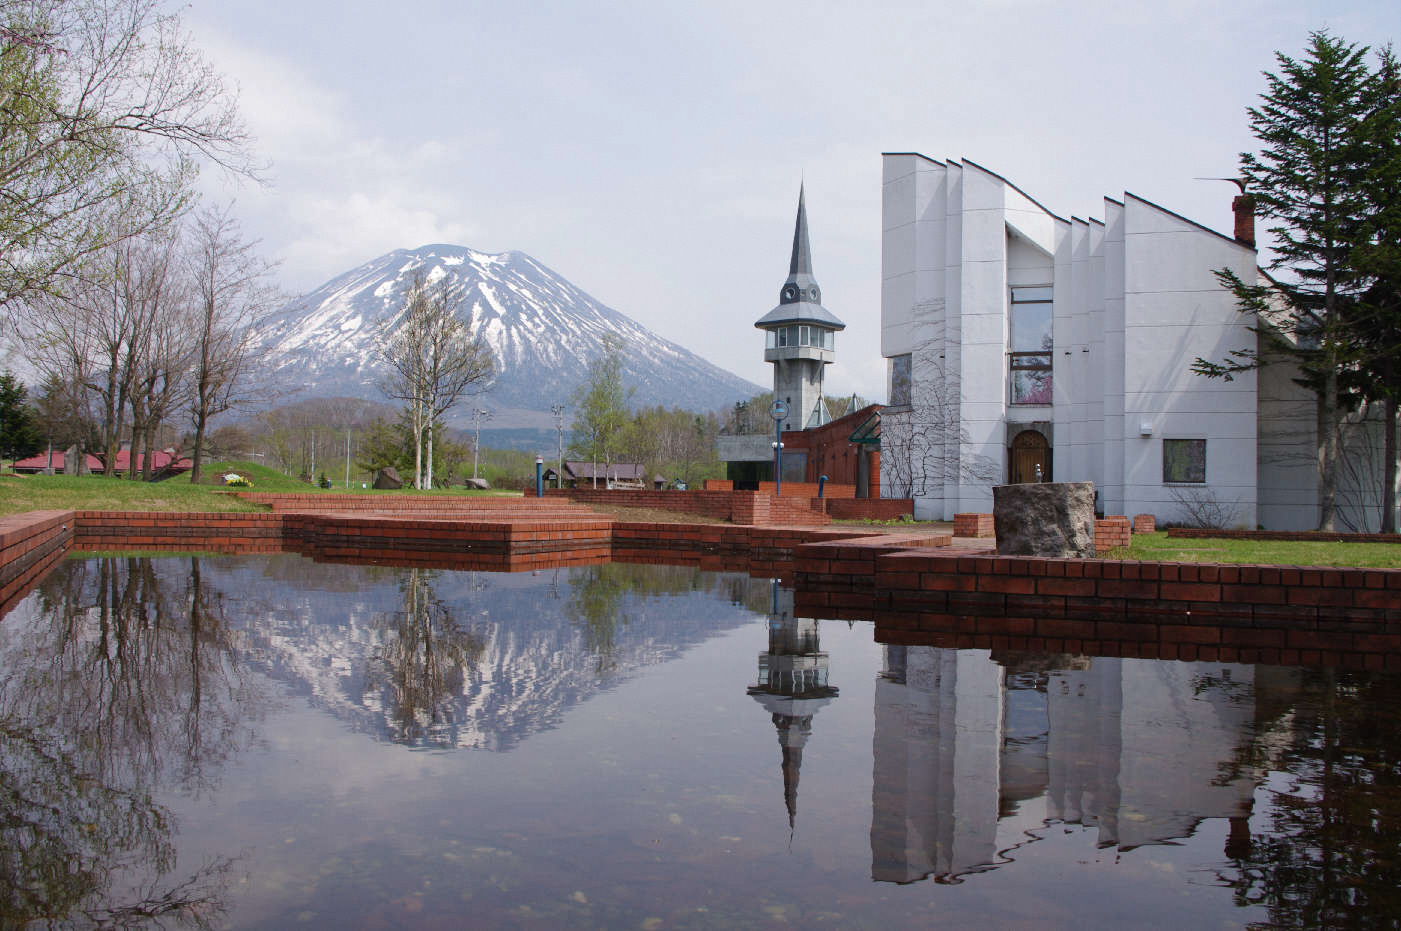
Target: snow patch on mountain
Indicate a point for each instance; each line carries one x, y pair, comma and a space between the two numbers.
543, 329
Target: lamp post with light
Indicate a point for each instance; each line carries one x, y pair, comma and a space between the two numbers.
779, 412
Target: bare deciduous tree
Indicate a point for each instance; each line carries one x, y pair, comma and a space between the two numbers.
232, 292
433, 360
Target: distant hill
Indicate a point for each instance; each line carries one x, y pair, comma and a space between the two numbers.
543, 330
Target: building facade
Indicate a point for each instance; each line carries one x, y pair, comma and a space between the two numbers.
1022, 346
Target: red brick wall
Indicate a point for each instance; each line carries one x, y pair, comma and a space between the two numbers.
809, 490
973, 525
1264, 614
30, 544
1144, 523
716, 504
219, 532
718, 484
870, 508
740, 507
1111, 532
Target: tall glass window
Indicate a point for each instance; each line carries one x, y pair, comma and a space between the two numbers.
1032, 321
900, 381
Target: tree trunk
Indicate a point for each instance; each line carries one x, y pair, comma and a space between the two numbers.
1389, 473
417, 445
428, 473
197, 456
1328, 451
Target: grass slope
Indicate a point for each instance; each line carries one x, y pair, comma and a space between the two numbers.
20, 493
1159, 547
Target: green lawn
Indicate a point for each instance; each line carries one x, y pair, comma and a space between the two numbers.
96, 493
1158, 547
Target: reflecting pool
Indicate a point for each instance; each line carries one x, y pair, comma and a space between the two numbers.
270, 741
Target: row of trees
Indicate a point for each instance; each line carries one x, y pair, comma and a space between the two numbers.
134, 309
1328, 174
150, 329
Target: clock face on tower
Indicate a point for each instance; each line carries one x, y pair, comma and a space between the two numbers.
815, 295
789, 293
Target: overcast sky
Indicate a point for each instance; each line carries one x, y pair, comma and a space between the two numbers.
651, 151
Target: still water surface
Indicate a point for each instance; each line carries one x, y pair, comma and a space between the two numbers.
272, 742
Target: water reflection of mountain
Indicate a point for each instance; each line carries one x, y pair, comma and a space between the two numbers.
446, 659
1142, 751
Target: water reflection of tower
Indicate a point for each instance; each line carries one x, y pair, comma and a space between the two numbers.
792, 686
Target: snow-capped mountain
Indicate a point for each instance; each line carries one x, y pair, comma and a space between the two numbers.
543, 330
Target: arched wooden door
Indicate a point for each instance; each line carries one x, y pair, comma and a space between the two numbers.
1030, 452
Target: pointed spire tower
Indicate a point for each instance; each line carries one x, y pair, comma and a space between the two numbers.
800, 335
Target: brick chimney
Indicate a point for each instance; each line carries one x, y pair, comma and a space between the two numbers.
1244, 208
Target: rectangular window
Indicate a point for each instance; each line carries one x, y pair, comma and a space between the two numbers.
900, 381
803, 338
828, 339
1184, 461
783, 337
1033, 320
770, 339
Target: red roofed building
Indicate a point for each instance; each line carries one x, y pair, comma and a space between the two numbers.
165, 462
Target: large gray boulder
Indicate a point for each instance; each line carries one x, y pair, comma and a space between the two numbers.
388, 478
1048, 519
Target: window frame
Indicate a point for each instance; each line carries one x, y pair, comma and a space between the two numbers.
1169, 479
1029, 360
907, 382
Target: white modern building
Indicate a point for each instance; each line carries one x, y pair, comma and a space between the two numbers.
1023, 346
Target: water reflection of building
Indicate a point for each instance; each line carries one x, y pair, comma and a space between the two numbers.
1140, 750
938, 733
792, 687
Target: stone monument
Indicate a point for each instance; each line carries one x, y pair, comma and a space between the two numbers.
1045, 519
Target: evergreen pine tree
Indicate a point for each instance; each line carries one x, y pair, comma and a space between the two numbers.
1310, 125
19, 434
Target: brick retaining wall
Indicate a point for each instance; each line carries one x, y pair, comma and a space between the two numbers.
30, 544
740, 507
973, 525
1237, 613
225, 532
809, 490
869, 508
1112, 532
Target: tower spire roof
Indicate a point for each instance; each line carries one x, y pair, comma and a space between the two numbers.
801, 263
800, 298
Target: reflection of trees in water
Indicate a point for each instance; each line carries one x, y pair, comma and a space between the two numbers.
122, 680
1328, 854
598, 598
66, 836
422, 660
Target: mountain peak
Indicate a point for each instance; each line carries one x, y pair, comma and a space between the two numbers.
542, 328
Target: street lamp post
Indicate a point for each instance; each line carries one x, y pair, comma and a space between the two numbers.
477, 436
558, 411
779, 412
